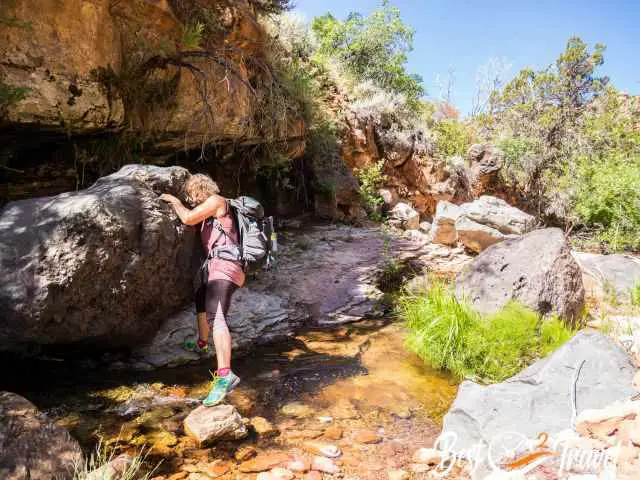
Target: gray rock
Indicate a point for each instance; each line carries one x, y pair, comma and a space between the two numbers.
536, 269
103, 265
443, 230
33, 447
475, 236
486, 162
404, 216
389, 197
112, 470
498, 214
209, 424
620, 272
539, 399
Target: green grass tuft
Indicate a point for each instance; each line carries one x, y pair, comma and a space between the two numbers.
634, 294
450, 335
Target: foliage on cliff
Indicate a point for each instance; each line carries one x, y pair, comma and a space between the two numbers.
571, 144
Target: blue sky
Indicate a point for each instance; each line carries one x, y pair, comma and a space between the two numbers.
463, 35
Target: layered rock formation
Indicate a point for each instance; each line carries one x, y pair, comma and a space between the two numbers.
91, 66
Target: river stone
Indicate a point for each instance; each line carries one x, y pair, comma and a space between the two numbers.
31, 445
620, 272
475, 236
103, 265
443, 230
536, 269
539, 398
208, 424
498, 214
404, 216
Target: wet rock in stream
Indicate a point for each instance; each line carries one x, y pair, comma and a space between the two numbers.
208, 424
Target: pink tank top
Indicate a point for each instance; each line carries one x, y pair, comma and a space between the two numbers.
211, 237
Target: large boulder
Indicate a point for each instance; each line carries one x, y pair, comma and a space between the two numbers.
443, 230
617, 274
540, 398
31, 446
498, 214
536, 269
103, 265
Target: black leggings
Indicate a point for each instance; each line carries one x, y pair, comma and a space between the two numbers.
213, 293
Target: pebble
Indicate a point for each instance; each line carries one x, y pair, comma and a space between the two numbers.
323, 464
333, 433
367, 437
398, 475
323, 449
303, 434
264, 462
299, 465
178, 476
429, 456
280, 473
325, 419
245, 453
297, 409
264, 427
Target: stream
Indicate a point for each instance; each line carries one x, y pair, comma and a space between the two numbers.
355, 386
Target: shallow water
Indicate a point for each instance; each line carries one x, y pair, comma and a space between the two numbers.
359, 375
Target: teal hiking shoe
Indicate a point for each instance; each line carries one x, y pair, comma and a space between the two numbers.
220, 387
191, 345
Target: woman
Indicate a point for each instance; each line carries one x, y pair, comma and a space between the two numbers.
213, 297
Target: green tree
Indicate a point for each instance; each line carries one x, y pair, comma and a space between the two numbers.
371, 48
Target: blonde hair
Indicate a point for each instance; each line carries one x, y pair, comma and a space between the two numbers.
199, 187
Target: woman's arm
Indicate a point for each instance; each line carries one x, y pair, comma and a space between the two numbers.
209, 208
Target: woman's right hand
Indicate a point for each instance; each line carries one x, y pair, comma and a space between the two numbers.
166, 197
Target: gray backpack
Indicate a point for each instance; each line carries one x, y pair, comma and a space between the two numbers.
257, 238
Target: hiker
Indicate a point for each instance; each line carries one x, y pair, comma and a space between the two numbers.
221, 277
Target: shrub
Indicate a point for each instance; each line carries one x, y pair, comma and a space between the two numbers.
607, 198
450, 335
452, 138
370, 178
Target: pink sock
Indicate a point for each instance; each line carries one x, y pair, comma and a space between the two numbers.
223, 372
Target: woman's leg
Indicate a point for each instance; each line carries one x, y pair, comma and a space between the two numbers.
219, 293
201, 313
200, 344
